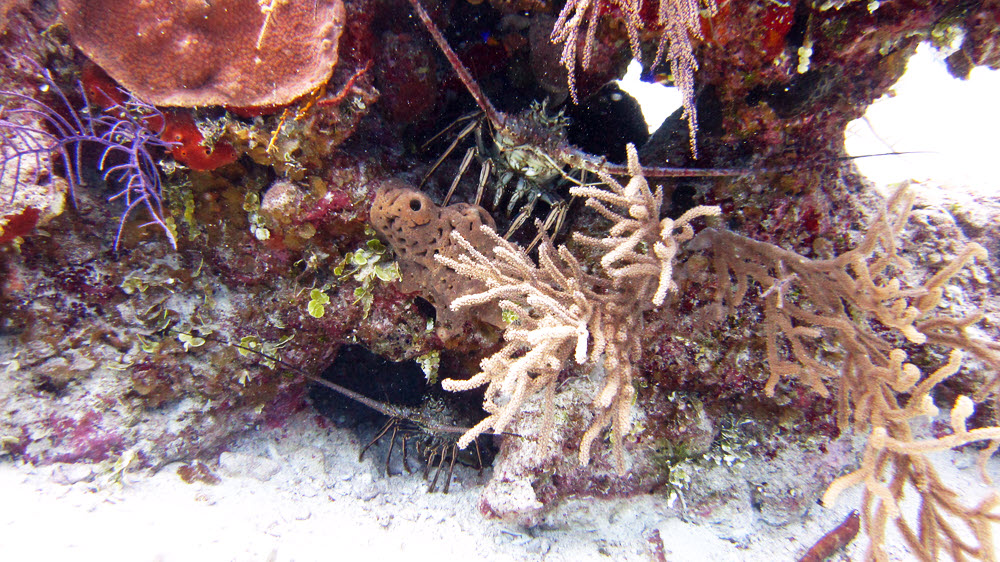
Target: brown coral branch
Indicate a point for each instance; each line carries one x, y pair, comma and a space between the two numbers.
834, 540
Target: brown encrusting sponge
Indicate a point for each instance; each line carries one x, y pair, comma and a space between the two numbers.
416, 228
227, 52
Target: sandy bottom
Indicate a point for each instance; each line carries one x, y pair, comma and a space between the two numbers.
299, 493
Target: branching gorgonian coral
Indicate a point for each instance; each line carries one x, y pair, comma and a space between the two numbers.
843, 327
839, 326
558, 311
678, 20
34, 133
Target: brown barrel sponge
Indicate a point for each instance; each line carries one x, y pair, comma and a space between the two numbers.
417, 229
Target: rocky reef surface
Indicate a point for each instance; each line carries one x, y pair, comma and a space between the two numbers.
113, 338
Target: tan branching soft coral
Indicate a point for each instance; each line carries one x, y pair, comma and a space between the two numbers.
417, 229
839, 326
226, 52
679, 22
829, 324
894, 461
558, 311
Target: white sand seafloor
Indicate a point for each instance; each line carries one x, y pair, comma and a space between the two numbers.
299, 492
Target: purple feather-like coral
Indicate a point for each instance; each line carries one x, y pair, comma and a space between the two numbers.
32, 132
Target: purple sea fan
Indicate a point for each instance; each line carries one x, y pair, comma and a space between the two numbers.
32, 132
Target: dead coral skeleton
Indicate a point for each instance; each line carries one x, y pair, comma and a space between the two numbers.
561, 311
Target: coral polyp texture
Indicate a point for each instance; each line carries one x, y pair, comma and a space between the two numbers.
735, 337
231, 52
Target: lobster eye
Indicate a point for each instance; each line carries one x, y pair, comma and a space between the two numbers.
415, 204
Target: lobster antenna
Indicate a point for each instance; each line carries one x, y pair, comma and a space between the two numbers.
495, 117
389, 410
666, 172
